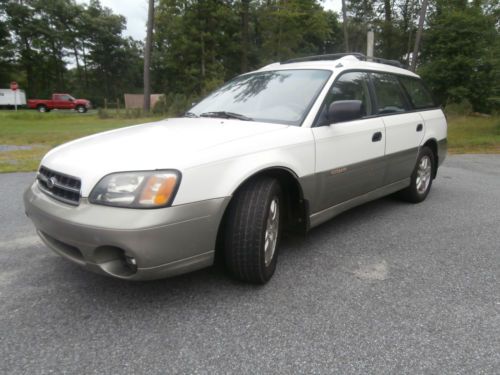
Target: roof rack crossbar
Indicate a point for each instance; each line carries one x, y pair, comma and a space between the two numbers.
336, 56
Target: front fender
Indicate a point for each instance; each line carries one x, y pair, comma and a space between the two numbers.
221, 178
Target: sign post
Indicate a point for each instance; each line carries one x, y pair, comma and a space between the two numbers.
14, 86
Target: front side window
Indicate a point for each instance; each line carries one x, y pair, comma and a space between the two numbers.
283, 96
419, 95
349, 86
390, 97
63, 97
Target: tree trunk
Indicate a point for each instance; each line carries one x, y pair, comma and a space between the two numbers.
245, 10
147, 57
78, 67
202, 61
388, 29
278, 45
418, 37
85, 71
408, 25
344, 24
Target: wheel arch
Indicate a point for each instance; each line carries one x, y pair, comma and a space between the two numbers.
297, 218
433, 145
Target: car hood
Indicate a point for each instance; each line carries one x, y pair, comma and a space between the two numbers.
169, 144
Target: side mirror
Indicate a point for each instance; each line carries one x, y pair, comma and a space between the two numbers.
345, 110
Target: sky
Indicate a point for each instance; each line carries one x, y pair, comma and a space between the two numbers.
135, 11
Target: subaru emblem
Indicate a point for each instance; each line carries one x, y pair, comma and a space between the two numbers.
51, 182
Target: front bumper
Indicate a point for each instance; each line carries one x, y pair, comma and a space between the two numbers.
163, 242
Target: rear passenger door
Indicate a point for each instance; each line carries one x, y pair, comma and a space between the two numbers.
404, 129
349, 155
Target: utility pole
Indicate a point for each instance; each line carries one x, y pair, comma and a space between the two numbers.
344, 23
418, 37
147, 56
370, 41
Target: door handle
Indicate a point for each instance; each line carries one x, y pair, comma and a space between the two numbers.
377, 137
420, 127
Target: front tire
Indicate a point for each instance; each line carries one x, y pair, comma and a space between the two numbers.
81, 109
253, 229
421, 178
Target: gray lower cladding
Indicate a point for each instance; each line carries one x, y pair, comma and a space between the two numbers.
331, 188
332, 192
164, 242
329, 213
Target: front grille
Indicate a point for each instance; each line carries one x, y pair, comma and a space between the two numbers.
59, 186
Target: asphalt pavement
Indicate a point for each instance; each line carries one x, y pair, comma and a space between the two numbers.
386, 288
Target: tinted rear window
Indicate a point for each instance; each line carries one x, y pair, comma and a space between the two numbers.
419, 95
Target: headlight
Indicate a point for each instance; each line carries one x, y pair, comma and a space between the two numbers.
136, 189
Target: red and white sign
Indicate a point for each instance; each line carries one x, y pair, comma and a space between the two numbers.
14, 86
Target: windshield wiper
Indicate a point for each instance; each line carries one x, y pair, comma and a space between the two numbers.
190, 114
225, 114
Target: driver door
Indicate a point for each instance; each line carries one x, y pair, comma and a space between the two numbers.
349, 155
62, 101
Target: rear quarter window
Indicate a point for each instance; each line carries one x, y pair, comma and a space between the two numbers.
419, 95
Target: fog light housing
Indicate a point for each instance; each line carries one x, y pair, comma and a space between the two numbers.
131, 262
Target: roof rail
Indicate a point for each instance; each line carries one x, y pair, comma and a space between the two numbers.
331, 56
336, 56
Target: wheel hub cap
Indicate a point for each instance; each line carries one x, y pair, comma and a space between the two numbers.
424, 174
272, 230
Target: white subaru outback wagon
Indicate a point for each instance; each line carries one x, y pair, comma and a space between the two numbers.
286, 147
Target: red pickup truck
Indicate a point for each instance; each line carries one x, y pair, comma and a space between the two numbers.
59, 101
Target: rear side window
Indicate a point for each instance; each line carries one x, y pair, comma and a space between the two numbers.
390, 96
419, 95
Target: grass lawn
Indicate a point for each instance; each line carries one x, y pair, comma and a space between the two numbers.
473, 135
26, 136
37, 133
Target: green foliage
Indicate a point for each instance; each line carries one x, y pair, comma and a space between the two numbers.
103, 113
464, 108
457, 54
78, 47
46, 34
201, 44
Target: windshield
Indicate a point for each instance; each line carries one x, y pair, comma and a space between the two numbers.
282, 97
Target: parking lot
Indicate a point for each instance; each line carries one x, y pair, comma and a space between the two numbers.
387, 287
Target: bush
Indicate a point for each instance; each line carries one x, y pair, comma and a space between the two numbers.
134, 113
103, 114
174, 104
160, 107
462, 108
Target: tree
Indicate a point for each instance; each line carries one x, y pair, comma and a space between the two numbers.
416, 49
6, 52
457, 53
344, 26
245, 31
147, 56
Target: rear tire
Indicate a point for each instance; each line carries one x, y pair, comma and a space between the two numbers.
42, 109
421, 178
253, 229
